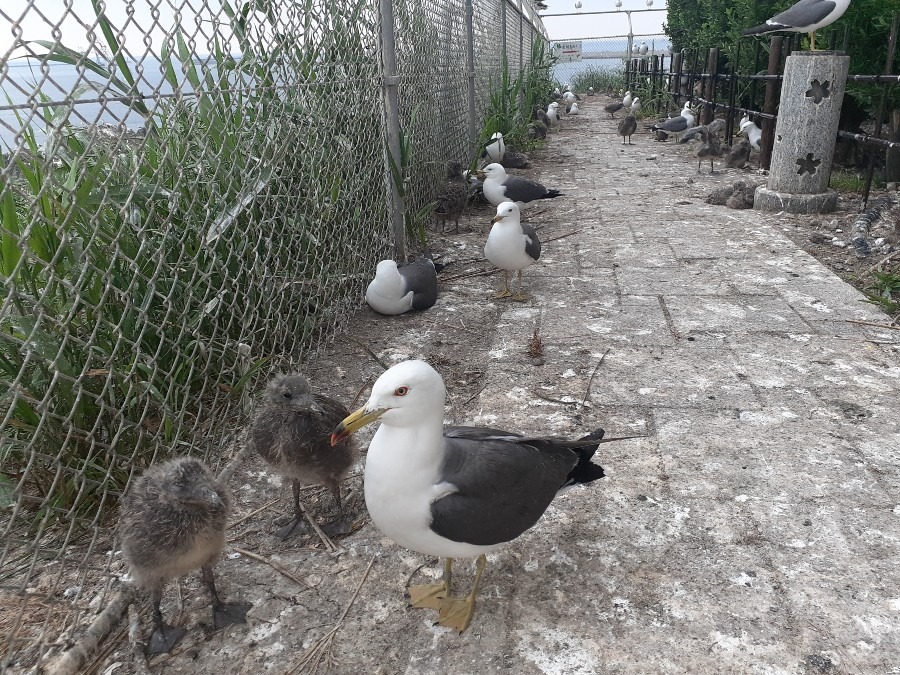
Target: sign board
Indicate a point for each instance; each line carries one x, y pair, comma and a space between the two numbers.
566, 52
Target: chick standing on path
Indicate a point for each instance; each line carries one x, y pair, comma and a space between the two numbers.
291, 431
511, 245
627, 127
453, 196
171, 521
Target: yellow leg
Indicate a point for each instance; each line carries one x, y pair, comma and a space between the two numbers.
430, 596
505, 293
812, 41
519, 296
457, 613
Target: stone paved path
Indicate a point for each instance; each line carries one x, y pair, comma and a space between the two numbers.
753, 530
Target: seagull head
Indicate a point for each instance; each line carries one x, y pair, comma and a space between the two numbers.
404, 395
746, 124
507, 212
492, 171
292, 390
497, 136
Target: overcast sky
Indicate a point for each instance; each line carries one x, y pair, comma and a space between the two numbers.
601, 25
39, 19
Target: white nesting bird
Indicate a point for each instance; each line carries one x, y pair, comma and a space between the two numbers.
553, 113
568, 96
574, 109
753, 132
494, 149
498, 187
457, 491
627, 100
400, 288
635, 106
512, 246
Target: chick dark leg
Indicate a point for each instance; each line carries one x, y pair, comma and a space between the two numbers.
340, 525
297, 524
505, 293
519, 296
431, 596
223, 614
164, 637
457, 613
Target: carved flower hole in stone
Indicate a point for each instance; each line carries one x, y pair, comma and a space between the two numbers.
808, 164
779, 138
818, 91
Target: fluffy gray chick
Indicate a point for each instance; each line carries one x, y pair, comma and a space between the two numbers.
291, 431
172, 520
452, 197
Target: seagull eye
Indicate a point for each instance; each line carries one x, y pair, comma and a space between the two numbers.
401, 391
287, 394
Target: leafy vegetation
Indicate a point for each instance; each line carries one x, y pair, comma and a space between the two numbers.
147, 280
884, 291
604, 81
512, 99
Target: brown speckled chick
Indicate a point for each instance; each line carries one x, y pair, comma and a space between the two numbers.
291, 430
172, 520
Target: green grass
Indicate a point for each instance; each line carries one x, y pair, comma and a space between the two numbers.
884, 291
611, 82
142, 276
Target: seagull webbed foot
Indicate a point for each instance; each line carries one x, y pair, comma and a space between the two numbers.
428, 596
229, 613
456, 613
521, 297
505, 293
293, 527
163, 639
337, 527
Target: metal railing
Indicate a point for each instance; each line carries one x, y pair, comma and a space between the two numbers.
190, 198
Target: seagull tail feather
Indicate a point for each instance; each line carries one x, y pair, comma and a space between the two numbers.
763, 28
586, 471
551, 194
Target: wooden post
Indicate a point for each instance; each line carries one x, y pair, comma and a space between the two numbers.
771, 104
391, 101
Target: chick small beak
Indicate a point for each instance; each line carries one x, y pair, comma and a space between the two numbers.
354, 421
480, 175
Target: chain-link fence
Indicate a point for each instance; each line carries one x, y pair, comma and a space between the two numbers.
191, 196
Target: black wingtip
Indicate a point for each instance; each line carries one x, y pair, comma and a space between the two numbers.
552, 194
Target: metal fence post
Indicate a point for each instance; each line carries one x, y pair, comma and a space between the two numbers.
503, 54
391, 97
470, 70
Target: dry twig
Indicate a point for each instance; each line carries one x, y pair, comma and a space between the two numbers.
561, 236
591, 381
277, 566
70, 662
252, 513
873, 323
368, 351
320, 652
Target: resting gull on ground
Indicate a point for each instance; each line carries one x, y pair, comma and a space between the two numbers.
500, 187
806, 16
456, 492
511, 245
494, 149
753, 132
676, 125
399, 288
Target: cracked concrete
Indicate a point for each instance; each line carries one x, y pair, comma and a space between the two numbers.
754, 528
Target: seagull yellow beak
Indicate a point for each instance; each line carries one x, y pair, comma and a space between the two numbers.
496, 219
354, 421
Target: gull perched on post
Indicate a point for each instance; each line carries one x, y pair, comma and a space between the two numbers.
806, 16
456, 492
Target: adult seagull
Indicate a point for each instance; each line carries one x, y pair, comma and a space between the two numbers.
676, 125
806, 16
511, 245
500, 187
455, 492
